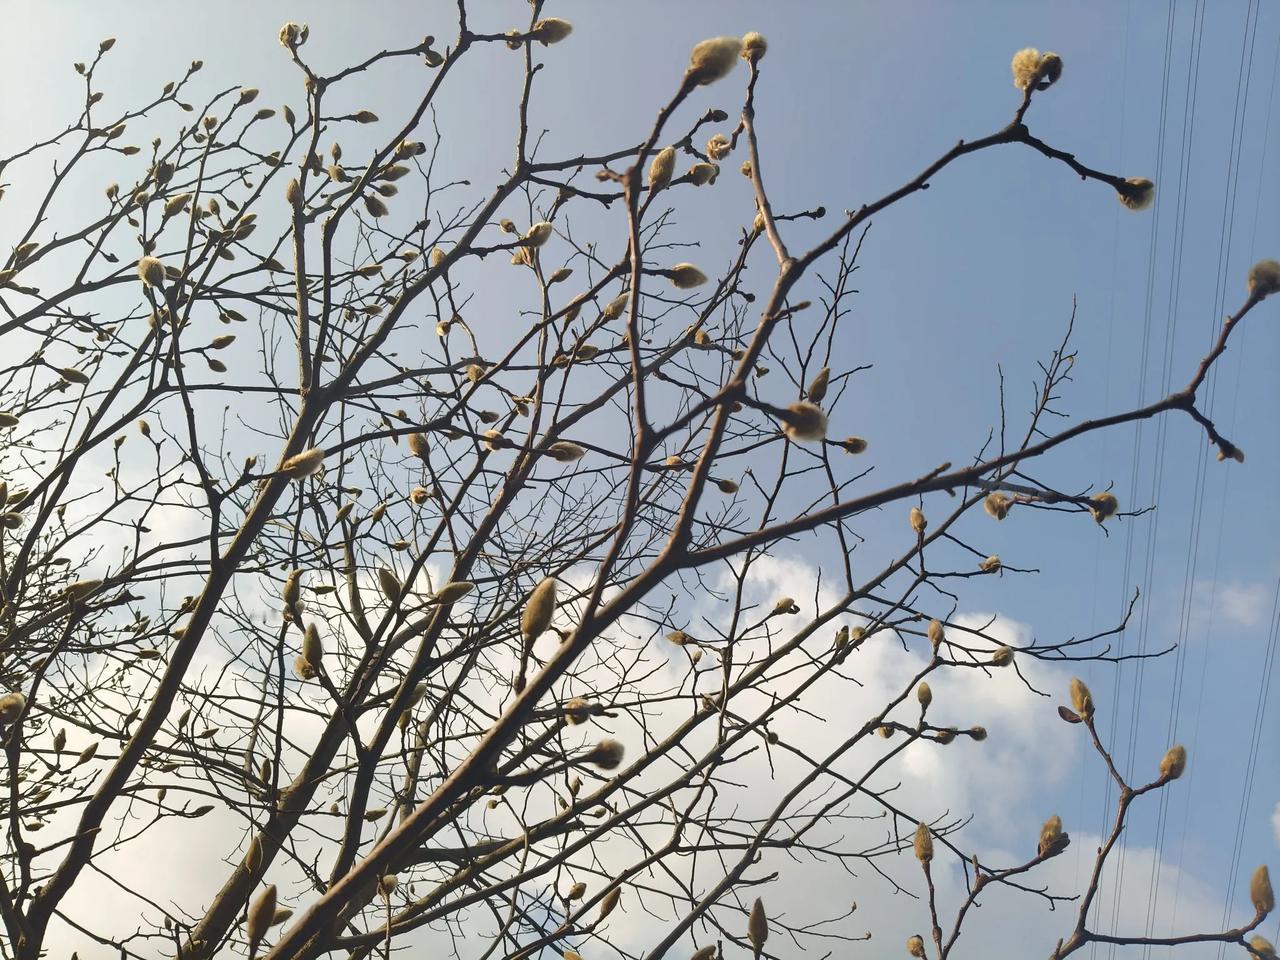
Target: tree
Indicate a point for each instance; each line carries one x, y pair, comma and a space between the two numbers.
393, 604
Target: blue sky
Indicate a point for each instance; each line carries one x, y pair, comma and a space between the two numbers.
979, 270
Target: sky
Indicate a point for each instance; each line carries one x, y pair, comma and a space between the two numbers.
974, 277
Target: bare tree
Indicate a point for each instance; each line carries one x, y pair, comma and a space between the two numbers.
393, 603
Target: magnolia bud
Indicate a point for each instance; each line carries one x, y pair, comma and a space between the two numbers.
685, 276
453, 591
661, 168
754, 46
1052, 840
390, 585
1264, 278
539, 609
261, 912
923, 843
757, 927
936, 634
11, 707
563, 451
805, 421
303, 464
1081, 698
924, 694
1136, 193
607, 754
711, 60
1173, 763
997, 505
1103, 505
610, 902
918, 522
1261, 892
818, 387
151, 271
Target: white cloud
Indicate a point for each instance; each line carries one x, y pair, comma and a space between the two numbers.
1240, 603
1002, 782
1275, 823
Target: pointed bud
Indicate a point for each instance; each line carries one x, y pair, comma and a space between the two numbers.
818, 387
712, 60
1173, 763
923, 843
303, 464
918, 522
261, 912
1261, 892
660, 170
757, 927
1081, 698
607, 754
539, 609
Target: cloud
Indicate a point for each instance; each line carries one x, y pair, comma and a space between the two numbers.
1240, 603
1275, 823
1006, 784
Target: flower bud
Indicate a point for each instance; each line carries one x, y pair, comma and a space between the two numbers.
997, 505
1264, 278
418, 445
754, 46
454, 590
1035, 70
303, 464
805, 421
79, 589
539, 609
915, 945
1136, 193
562, 451
390, 585
660, 170
610, 902
757, 927
818, 386
1261, 892
607, 754
261, 912
703, 173
924, 693
312, 647
923, 843
712, 60
1052, 840
11, 707
551, 30
151, 271
1173, 763
936, 634
685, 276
538, 234
918, 522
1081, 698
